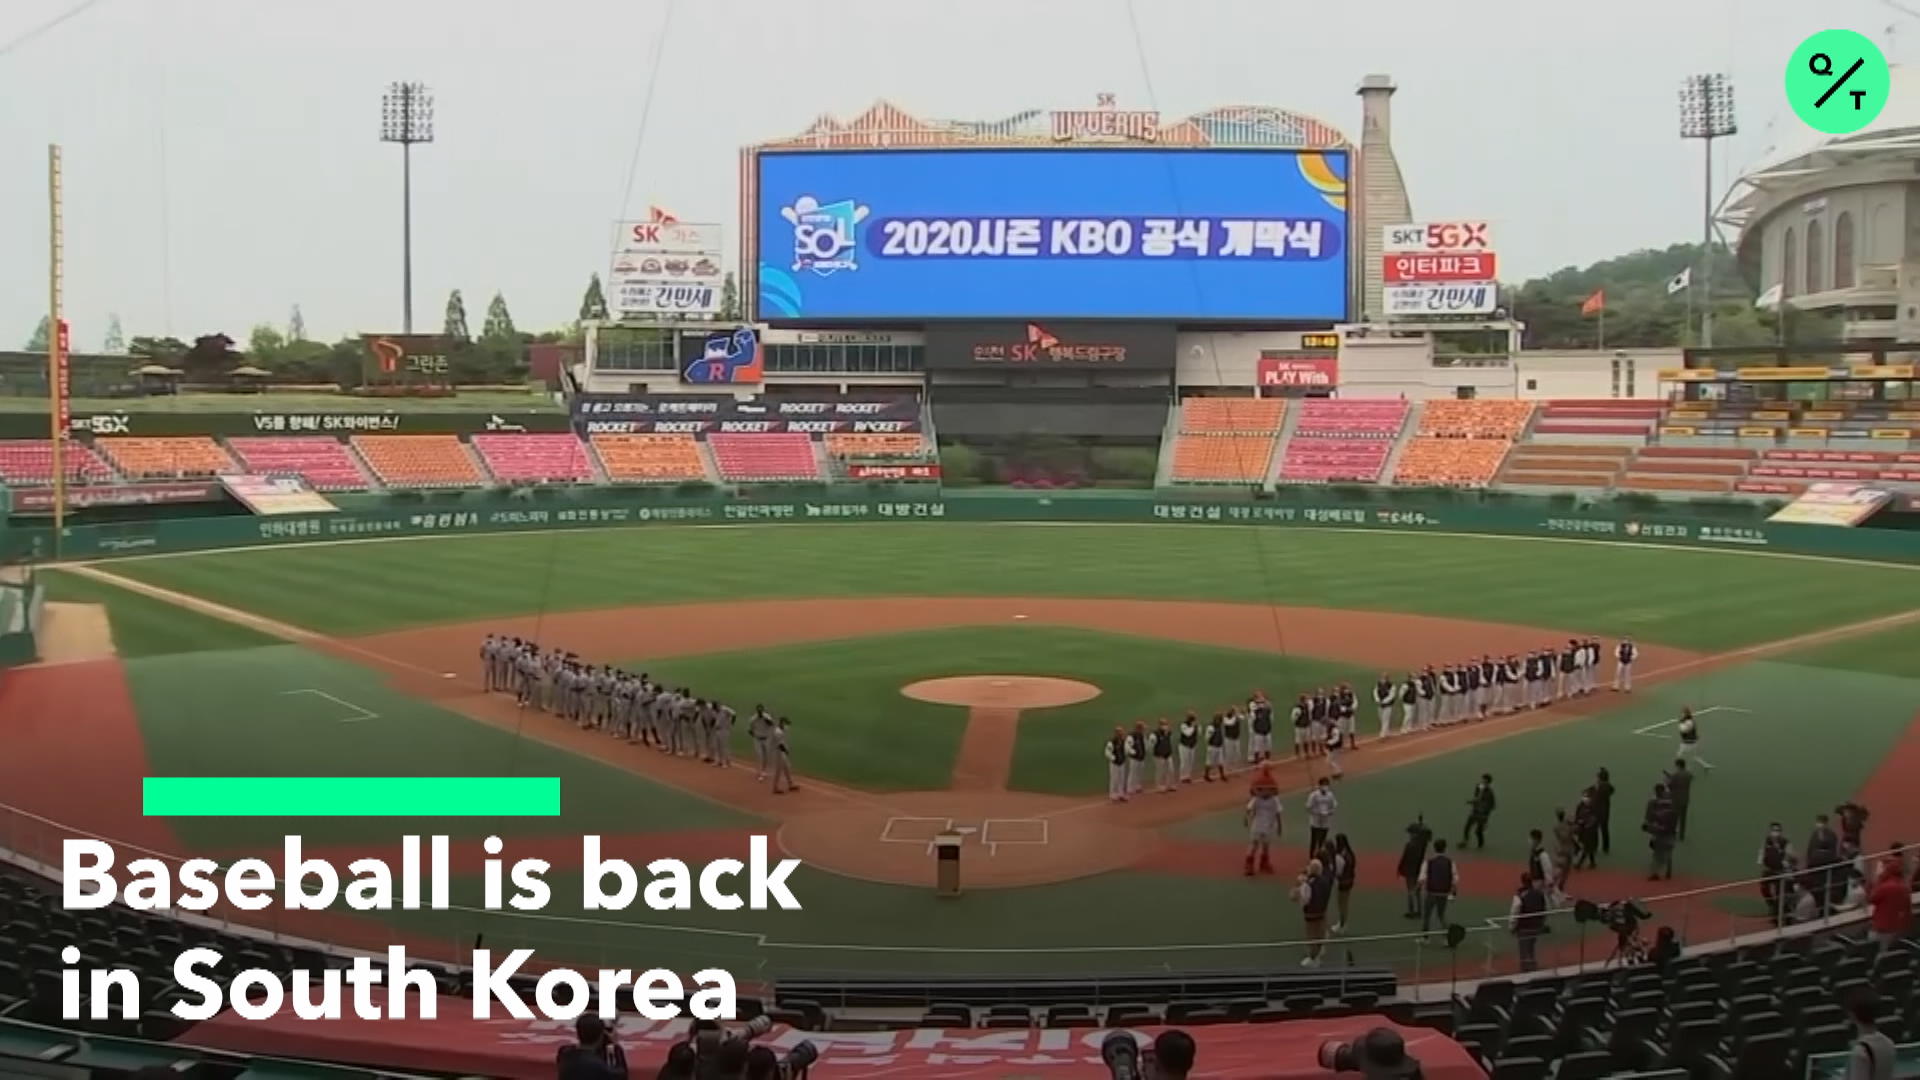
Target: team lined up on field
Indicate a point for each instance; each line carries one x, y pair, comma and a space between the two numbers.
634, 707
1324, 721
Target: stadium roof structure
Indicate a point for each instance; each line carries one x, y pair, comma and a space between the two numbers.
886, 125
1893, 136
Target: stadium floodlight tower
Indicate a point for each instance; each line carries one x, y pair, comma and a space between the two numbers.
406, 117
1706, 113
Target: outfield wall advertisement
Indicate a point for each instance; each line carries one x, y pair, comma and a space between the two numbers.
854, 505
1035, 233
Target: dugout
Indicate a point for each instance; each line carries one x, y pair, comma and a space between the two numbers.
1051, 403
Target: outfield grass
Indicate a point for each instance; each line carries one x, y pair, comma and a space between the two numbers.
285, 710
144, 626
852, 726
1707, 600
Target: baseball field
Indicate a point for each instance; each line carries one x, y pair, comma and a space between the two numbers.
361, 659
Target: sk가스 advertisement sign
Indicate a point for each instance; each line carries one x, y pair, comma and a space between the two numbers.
1248, 235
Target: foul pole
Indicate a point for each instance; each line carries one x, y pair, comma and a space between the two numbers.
57, 382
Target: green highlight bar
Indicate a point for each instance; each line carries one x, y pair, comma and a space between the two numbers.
351, 796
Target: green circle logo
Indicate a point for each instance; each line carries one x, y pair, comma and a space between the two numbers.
1837, 81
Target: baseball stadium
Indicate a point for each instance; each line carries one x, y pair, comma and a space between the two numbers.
1161, 425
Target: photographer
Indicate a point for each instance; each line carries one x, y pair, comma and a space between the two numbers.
594, 1055
1380, 1054
1173, 1054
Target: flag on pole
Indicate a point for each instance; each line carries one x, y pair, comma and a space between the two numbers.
1771, 298
661, 217
1596, 302
1680, 281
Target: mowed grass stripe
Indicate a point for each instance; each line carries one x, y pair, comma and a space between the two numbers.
1704, 600
144, 626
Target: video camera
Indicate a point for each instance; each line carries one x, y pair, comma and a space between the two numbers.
708, 1037
1623, 916
1126, 1059
1380, 1054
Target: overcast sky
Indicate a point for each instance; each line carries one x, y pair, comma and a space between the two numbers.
222, 161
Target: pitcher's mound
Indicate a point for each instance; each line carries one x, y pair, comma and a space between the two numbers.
1001, 691
71, 633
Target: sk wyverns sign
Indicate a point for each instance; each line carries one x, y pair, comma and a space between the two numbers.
1051, 345
1106, 121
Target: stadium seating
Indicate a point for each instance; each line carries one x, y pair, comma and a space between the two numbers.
1604, 416
650, 459
321, 460
1687, 468
419, 461
1563, 465
1437, 462
1342, 440
534, 458
160, 458
764, 458
1222, 459
30, 461
1231, 415
878, 447
1475, 418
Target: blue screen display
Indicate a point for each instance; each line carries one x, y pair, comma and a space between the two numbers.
1191, 235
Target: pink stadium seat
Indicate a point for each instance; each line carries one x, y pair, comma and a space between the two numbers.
419, 461
1360, 419
1316, 460
30, 461
535, 458
775, 457
321, 460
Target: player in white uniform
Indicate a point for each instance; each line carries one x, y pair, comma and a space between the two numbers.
1263, 823
1624, 655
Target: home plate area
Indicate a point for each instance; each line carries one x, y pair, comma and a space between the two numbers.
989, 833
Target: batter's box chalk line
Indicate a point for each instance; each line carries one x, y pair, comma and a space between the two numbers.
1653, 730
1029, 826
357, 713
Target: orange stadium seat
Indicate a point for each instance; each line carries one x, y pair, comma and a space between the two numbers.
1451, 462
419, 460
647, 459
781, 456
1221, 459
543, 458
30, 461
1227, 415
145, 459
1475, 418
877, 446
321, 460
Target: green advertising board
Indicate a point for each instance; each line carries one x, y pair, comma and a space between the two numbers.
372, 420
852, 505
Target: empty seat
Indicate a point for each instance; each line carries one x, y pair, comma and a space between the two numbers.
905, 446
153, 458
1475, 418
30, 461
1319, 460
321, 460
534, 458
1356, 419
1221, 459
1451, 462
1224, 415
419, 461
775, 457
650, 459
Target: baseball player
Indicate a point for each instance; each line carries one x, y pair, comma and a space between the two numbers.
1449, 694
1137, 758
1302, 725
1321, 803
1429, 686
1336, 738
1384, 695
760, 730
1409, 702
1483, 700
1563, 687
1321, 711
1263, 822
489, 660
1594, 654
706, 719
1261, 724
1189, 746
1115, 753
1624, 655
782, 758
1236, 735
1163, 757
1349, 714
1510, 699
1216, 750
1689, 730
723, 718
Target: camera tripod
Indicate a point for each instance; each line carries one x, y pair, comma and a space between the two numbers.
1628, 948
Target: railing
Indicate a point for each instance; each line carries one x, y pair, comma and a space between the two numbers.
1723, 915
